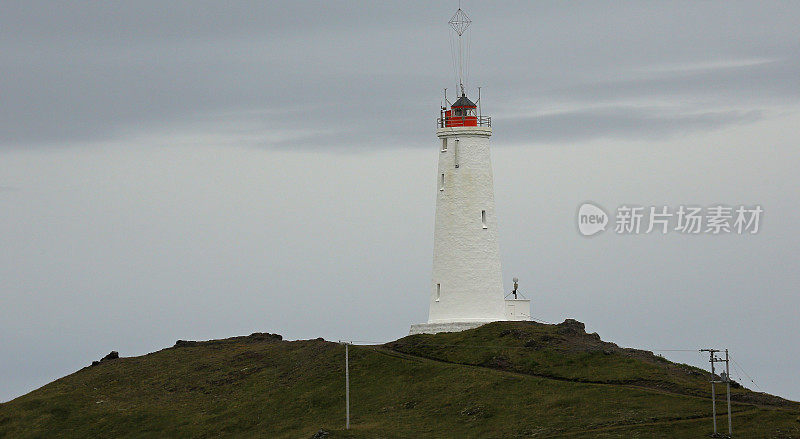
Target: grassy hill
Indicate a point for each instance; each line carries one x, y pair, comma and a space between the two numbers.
502, 380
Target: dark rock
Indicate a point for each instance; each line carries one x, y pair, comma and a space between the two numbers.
571, 326
531, 344
410, 405
113, 355
184, 343
321, 434
95, 363
265, 336
319, 339
505, 332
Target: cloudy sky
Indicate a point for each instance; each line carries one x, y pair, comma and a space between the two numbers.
196, 170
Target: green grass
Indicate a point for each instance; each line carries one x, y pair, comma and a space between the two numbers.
566, 352
564, 384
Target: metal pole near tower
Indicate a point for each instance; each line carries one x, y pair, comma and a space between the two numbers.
480, 113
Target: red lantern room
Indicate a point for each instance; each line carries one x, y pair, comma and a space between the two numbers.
462, 113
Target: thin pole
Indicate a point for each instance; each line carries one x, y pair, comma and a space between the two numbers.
347, 385
728, 380
480, 113
714, 406
713, 395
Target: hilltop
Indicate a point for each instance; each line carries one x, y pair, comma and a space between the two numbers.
501, 380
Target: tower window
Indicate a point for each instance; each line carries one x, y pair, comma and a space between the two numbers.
455, 153
483, 219
441, 183
438, 291
444, 145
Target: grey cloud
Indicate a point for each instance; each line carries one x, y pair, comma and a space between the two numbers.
774, 82
619, 122
87, 72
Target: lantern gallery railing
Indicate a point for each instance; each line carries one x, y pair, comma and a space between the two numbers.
463, 121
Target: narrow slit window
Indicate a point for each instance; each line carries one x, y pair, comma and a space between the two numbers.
455, 153
444, 145
438, 291
441, 183
483, 219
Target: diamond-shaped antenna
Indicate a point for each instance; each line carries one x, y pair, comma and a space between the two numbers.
460, 22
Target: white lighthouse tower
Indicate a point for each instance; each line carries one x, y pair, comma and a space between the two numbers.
467, 283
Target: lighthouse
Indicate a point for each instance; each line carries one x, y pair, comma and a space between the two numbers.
466, 287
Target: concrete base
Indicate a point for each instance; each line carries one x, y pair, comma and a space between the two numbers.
435, 328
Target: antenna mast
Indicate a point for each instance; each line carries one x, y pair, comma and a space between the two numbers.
460, 22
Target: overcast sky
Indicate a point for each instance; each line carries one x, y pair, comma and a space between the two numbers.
195, 170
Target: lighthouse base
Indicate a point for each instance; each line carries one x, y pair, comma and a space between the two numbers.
435, 328
516, 310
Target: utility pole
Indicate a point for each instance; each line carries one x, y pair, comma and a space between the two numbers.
713, 359
728, 382
347, 385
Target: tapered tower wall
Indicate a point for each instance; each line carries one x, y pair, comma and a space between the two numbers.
467, 284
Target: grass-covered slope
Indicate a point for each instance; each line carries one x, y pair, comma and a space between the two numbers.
566, 352
483, 383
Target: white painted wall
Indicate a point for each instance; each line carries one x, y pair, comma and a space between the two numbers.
466, 255
518, 309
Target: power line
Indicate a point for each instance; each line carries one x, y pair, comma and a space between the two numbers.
745, 373
738, 375
672, 350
